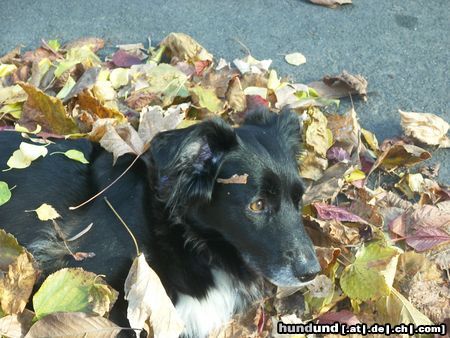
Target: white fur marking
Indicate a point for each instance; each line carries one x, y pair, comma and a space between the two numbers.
227, 297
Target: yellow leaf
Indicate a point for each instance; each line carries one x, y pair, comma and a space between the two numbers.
18, 160
356, 175
256, 91
6, 69
119, 77
46, 212
21, 129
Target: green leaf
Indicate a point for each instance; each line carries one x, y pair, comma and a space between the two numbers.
54, 44
370, 276
76, 155
13, 109
207, 98
73, 290
5, 193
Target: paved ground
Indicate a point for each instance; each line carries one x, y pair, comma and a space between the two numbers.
401, 47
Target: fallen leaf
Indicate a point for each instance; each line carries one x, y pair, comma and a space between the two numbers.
6, 69
331, 3
363, 279
398, 309
327, 256
19, 273
185, 48
13, 94
46, 212
400, 155
342, 85
46, 111
5, 193
121, 140
206, 98
124, 59
312, 166
154, 120
73, 325
119, 77
425, 127
331, 212
73, 154
147, 299
95, 44
235, 179
235, 95
250, 65
295, 59
26, 154
427, 238
343, 316
329, 185
317, 136
86, 81
16, 325
73, 290
93, 105
338, 154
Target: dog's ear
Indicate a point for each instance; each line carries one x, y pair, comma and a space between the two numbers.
287, 124
187, 162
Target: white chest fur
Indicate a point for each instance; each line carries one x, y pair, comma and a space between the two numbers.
227, 297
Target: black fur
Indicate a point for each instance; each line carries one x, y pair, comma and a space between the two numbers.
185, 222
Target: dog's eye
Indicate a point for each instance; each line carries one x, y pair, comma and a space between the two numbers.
257, 206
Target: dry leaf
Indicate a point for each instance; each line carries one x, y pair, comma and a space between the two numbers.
235, 179
16, 326
147, 298
46, 212
46, 111
341, 85
185, 48
331, 3
73, 325
295, 59
235, 95
425, 127
120, 140
93, 105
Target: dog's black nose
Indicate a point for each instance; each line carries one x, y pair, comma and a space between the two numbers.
308, 277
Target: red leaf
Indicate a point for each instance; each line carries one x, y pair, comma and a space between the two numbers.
427, 238
343, 316
255, 101
330, 212
124, 59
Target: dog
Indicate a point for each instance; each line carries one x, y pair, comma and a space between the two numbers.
211, 243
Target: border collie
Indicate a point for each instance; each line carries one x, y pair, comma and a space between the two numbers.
211, 243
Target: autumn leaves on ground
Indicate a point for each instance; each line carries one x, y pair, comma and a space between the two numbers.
379, 220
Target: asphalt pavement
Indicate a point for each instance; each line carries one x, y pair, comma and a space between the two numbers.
400, 47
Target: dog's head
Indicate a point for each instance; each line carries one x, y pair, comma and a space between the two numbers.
261, 219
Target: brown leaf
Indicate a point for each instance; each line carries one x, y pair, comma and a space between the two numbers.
86, 81
235, 179
95, 44
332, 212
16, 325
345, 129
73, 325
341, 85
142, 98
235, 95
331, 3
329, 185
17, 283
93, 105
38, 55
124, 59
312, 166
427, 238
185, 48
399, 155
343, 316
47, 111
11, 56
148, 299
121, 140
327, 256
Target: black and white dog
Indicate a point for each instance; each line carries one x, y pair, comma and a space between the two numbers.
210, 243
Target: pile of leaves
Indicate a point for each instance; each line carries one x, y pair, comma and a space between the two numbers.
378, 218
